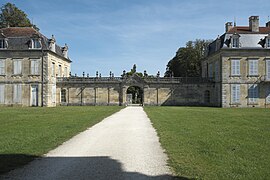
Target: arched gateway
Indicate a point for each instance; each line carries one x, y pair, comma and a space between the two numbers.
150, 90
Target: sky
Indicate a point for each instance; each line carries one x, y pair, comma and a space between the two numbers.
112, 35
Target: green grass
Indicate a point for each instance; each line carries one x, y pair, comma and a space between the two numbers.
26, 133
215, 143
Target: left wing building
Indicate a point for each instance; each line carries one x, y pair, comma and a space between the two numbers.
29, 66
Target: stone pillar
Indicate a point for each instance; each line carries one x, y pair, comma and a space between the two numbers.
157, 98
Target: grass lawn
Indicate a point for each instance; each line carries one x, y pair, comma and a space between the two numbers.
215, 143
26, 133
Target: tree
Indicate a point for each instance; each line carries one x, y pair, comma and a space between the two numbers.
11, 16
187, 61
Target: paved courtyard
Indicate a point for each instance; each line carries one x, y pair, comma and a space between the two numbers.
122, 146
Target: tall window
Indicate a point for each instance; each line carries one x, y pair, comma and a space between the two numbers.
17, 93
235, 42
207, 96
235, 67
253, 67
210, 71
268, 95
66, 72
35, 66
35, 44
63, 95
53, 69
235, 93
17, 66
3, 43
267, 43
2, 66
59, 70
53, 93
268, 69
216, 71
2, 93
253, 93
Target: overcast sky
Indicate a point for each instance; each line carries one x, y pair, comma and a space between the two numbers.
112, 35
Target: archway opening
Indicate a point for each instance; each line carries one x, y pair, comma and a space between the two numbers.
134, 95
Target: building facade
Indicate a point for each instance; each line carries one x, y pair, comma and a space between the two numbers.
239, 64
29, 66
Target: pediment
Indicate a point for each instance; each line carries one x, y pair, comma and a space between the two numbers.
134, 79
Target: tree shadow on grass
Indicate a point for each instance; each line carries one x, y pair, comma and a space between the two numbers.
96, 167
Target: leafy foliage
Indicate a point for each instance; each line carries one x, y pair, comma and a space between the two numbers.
187, 61
11, 16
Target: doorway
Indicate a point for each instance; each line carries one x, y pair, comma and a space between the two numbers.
134, 95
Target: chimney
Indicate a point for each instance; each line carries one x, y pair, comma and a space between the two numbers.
267, 24
65, 51
228, 26
254, 23
52, 43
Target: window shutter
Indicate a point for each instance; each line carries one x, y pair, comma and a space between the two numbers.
233, 67
32, 67
238, 93
268, 69
2, 66
37, 67
19, 67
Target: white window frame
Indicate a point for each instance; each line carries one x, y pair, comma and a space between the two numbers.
235, 42
17, 66
2, 93
35, 43
17, 93
35, 63
235, 93
268, 95
253, 67
2, 66
235, 67
253, 93
54, 93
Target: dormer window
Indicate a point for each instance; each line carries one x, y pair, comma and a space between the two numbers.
35, 44
3, 44
235, 41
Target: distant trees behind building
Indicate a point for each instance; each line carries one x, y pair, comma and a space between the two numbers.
11, 16
187, 61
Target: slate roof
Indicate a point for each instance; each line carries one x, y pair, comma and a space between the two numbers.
20, 37
248, 39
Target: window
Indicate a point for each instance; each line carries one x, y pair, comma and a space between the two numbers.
253, 93
53, 69
35, 66
66, 72
268, 95
17, 93
53, 93
267, 43
3, 44
59, 71
63, 95
216, 71
253, 67
235, 42
35, 44
268, 70
235, 93
235, 67
2, 93
17, 66
2, 66
207, 96
210, 71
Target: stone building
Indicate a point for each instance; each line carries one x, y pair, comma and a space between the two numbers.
239, 64
29, 66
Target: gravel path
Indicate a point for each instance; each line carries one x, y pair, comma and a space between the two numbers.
122, 146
